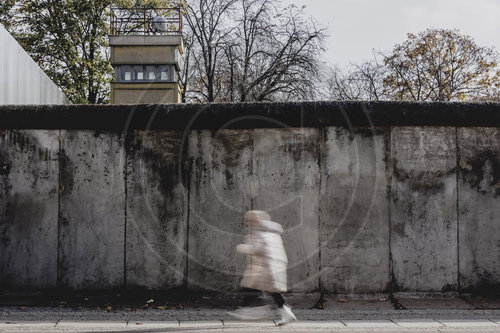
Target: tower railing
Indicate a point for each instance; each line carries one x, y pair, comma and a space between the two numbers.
145, 21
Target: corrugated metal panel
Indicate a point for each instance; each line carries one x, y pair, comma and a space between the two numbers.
22, 81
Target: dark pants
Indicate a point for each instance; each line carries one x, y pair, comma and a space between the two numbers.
252, 298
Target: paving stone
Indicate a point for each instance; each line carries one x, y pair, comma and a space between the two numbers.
418, 323
467, 323
318, 324
152, 324
202, 324
242, 324
27, 324
89, 324
370, 324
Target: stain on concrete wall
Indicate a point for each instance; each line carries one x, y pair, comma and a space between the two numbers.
157, 197
91, 210
28, 209
354, 229
285, 181
220, 193
424, 208
479, 208
234, 171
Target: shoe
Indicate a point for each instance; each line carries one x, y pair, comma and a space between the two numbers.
251, 313
287, 315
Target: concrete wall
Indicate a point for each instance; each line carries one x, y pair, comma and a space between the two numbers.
388, 207
22, 81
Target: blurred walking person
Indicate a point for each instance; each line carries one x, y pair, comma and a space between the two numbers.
266, 269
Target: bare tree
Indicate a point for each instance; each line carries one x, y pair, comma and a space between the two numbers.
207, 21
275, 52
252, 50
364, 81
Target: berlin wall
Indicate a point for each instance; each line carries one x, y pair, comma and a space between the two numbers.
373, 197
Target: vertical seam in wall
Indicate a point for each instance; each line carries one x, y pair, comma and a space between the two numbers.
251, 169
388, 157
457, 171
58, 256
125, 177
320, 168
188, 217
188, 213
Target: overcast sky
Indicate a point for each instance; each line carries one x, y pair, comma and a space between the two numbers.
358, 26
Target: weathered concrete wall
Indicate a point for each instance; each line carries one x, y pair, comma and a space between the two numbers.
22, 81
285, 181
157, 197
354, 228
219, 194
91, 210
424, 208
365, 209
28, 208
479, 207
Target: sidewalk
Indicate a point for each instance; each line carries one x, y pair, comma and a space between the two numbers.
376, 313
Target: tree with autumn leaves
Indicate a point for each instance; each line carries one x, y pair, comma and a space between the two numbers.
434, 65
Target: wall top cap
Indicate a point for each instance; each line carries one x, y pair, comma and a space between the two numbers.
248, 115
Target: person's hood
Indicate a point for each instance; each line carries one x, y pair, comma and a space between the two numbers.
269, 226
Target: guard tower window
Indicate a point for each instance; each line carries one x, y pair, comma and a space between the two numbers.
139, 73
145, 73
124, 73
151, 73
164, 73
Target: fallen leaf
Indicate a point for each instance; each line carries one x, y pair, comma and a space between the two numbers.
139, 323
150, 301
22, 308
342, 300
383, 299
163, 307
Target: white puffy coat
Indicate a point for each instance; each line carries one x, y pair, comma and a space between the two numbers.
266, 258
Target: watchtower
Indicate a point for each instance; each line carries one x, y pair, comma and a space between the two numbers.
146, 49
